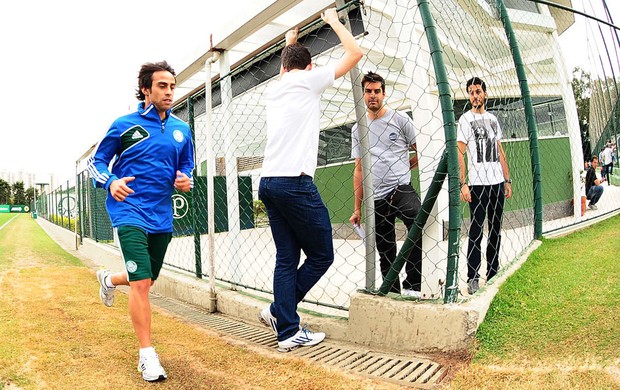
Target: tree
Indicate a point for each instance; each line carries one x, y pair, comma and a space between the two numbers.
30, 195
19, 195
5, 192
582, 89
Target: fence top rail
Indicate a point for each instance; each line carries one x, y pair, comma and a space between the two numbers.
295, 12
572, 10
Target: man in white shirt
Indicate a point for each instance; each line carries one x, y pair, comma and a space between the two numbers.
298, 218
487, 182
608, 162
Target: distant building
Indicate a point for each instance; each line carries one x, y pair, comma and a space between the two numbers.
29, 179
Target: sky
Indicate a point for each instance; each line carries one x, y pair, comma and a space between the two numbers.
576, 40
69, 67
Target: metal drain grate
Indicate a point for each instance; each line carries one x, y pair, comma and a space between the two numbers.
408, 371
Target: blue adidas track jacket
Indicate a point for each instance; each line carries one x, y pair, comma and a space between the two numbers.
141, 145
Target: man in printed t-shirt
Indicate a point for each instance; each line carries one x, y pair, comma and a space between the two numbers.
486, 183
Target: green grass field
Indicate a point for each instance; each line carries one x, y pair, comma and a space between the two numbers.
5, 217
553, 325
56, 334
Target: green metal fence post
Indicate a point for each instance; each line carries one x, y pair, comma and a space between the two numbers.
449, 123
194, 204
78, 200
91, 211
448, 165
55, 200
613, 133
530, 118
68, 208
416, 230
616, 109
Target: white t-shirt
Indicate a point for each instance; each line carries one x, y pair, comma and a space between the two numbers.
389, 140
293, 122
608, 156
481, 133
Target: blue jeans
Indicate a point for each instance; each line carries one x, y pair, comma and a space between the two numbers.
594, 194
299, 221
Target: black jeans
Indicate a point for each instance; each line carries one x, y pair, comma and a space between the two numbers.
609, 168
486, 202
405, 204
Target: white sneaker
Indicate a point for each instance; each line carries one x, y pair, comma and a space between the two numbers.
411, 293
151, 369
267, 319
105, 293
303, 338
472, 286
593, 207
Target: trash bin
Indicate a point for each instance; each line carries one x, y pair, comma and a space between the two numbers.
34, 215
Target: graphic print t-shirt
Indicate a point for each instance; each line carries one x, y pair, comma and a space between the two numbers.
481, 133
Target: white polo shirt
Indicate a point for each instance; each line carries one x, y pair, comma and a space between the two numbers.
293, 122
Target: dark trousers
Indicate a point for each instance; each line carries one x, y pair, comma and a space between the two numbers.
486, 202
299, 221
403, 203
608, 171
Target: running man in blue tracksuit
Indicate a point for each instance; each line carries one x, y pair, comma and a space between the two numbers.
151, 154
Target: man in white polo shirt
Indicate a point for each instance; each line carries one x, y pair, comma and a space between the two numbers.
297, 216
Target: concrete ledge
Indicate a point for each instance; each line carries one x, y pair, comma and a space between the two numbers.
374, 321
197, 292
411, 326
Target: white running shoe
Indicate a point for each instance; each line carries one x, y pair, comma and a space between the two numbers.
105, 293
303, 338
265, 317
472, 286
411, 293
151, 369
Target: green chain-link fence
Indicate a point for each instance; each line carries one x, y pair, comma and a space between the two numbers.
426, 50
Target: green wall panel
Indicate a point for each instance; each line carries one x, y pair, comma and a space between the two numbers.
335, 183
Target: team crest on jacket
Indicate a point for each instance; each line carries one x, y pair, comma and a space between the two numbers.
178, 136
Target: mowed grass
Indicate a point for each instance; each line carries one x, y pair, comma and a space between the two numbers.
6, 217
56, 334
555, 323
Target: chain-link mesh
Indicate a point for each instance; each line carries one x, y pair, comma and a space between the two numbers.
595, 87
473, 41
